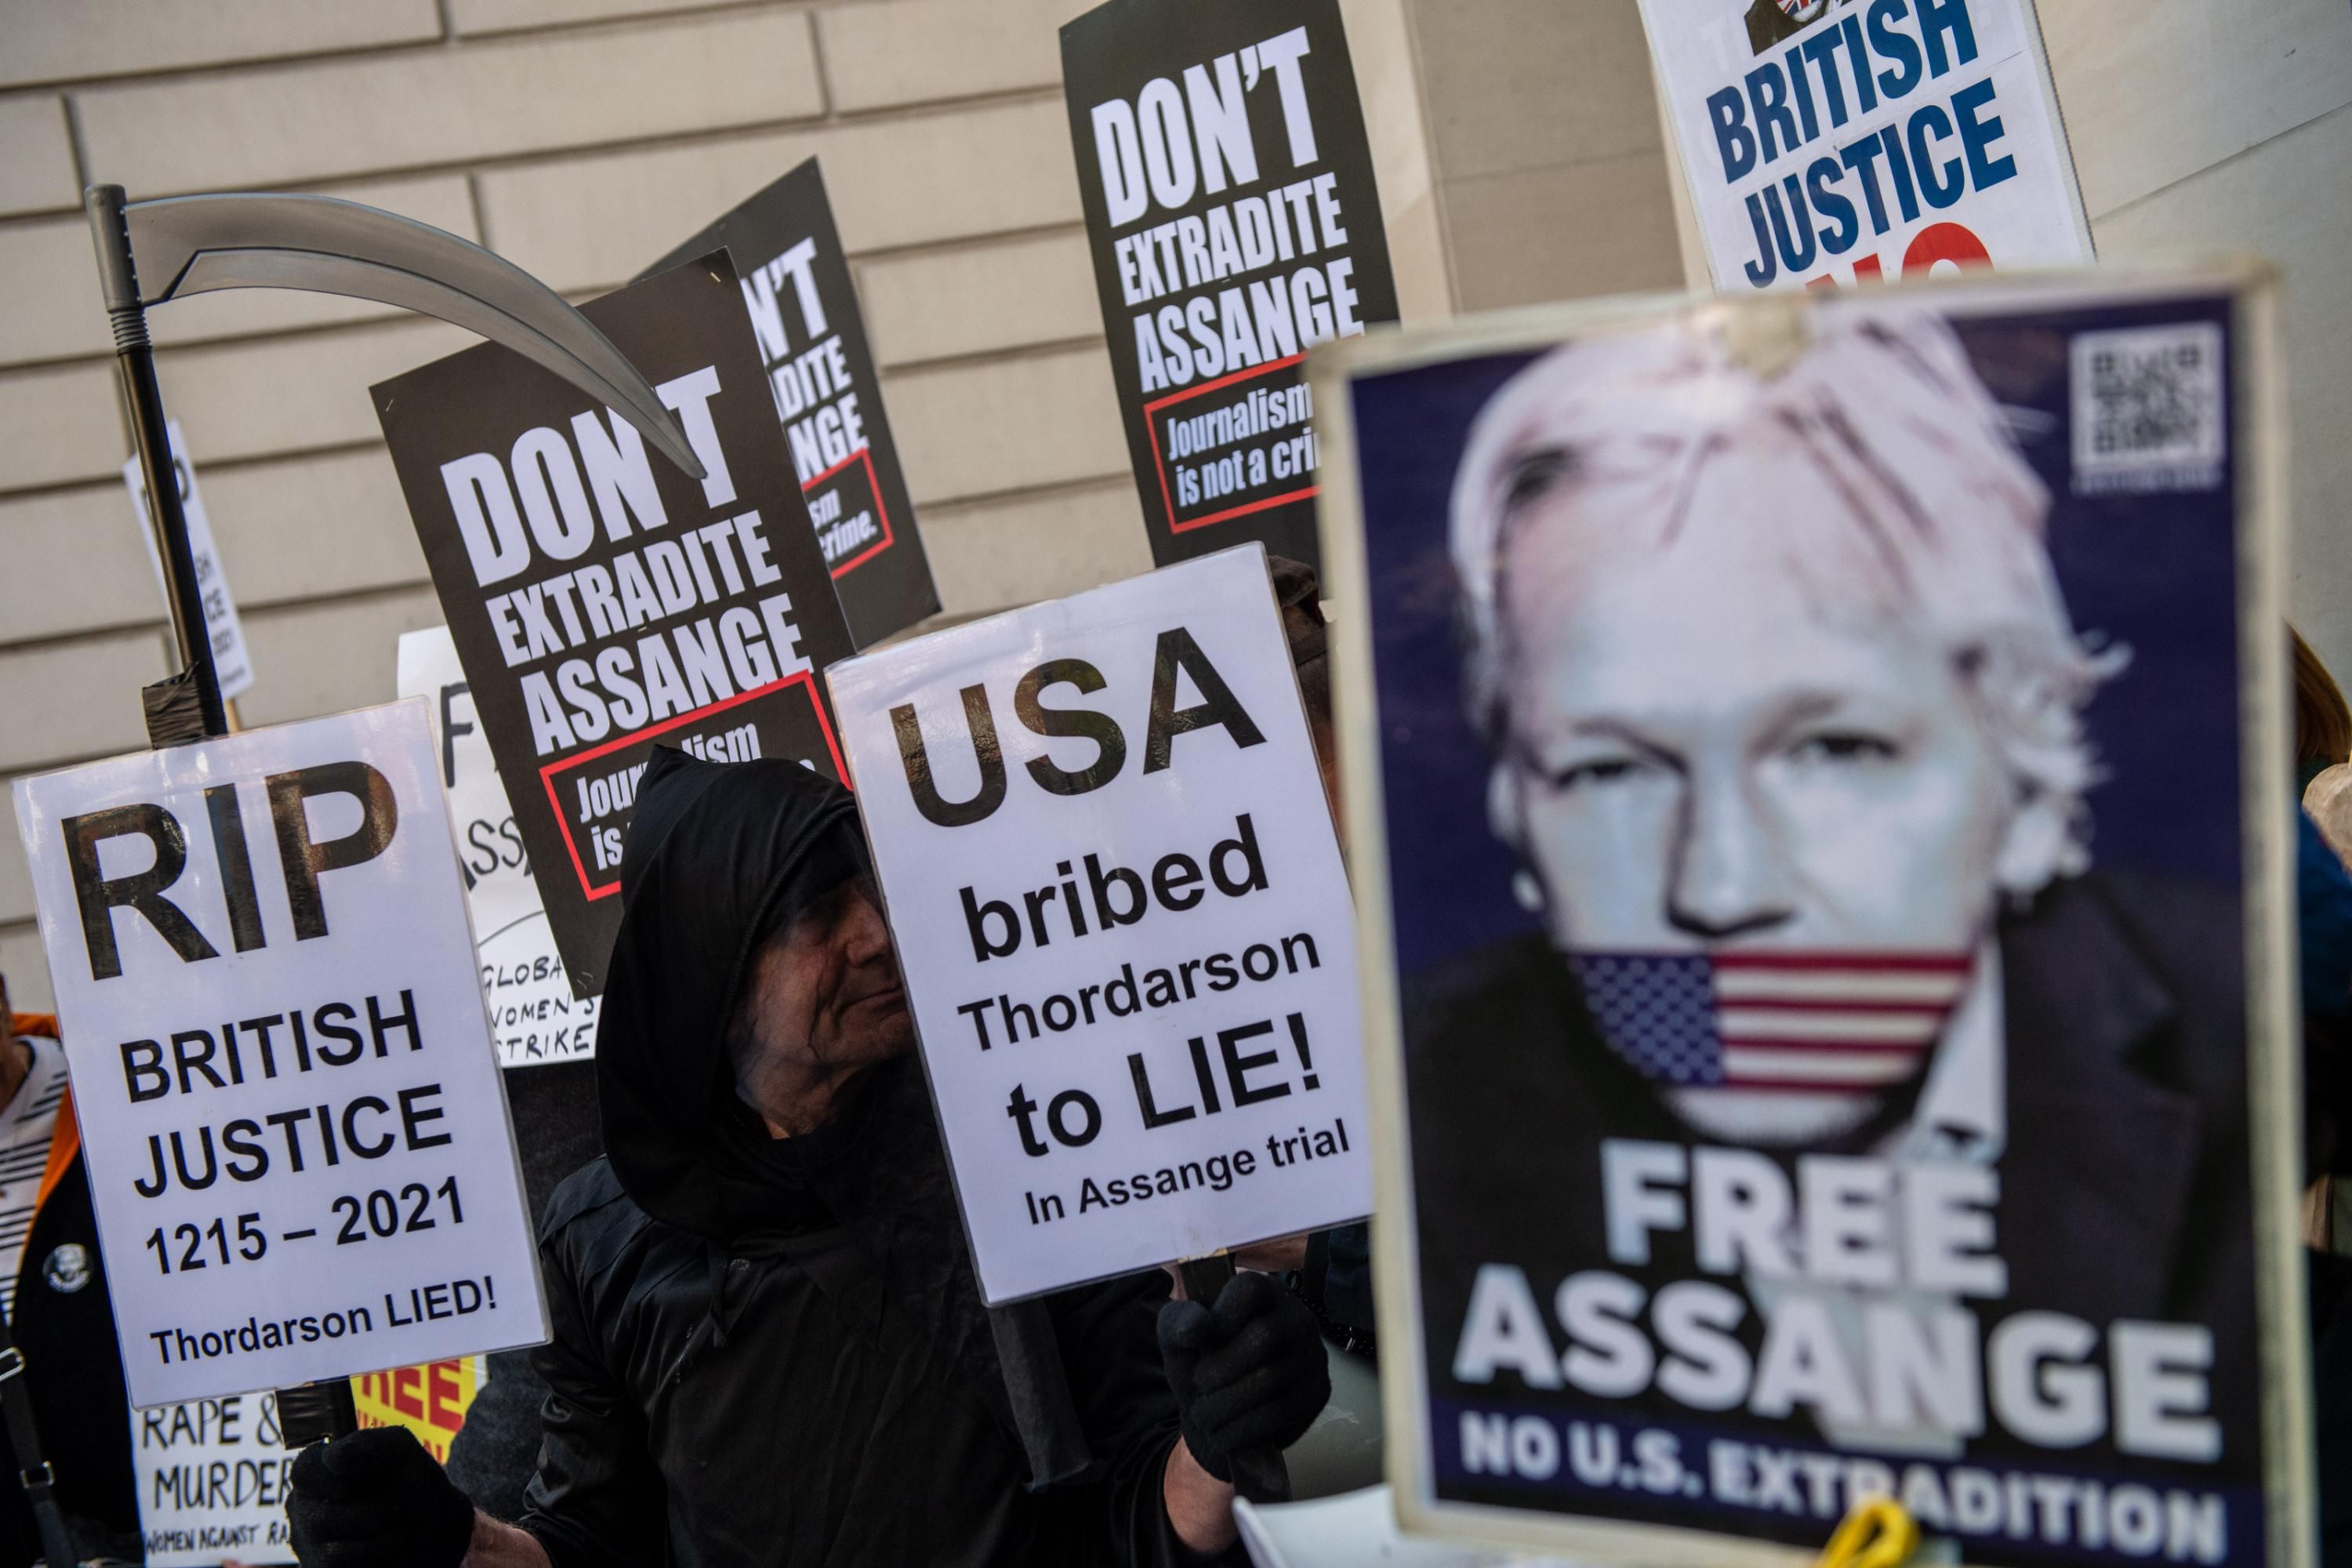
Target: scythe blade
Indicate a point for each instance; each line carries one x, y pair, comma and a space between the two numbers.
193, 245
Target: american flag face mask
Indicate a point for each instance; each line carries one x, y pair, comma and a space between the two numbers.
1824, 1023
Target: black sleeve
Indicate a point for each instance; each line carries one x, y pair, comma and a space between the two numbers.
598, 1501
1110, 1336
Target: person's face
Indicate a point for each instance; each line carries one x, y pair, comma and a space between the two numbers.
823, 997
1704, 751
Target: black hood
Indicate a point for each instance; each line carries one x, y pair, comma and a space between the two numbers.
719, 855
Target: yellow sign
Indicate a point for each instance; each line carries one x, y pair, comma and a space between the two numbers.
430, 1400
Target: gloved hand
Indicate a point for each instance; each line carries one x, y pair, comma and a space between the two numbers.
377, 1500
1248, 1372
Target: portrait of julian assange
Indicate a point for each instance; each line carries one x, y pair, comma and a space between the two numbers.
1813, 825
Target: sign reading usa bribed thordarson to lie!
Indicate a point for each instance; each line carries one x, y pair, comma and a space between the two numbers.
1233, 221
298, 1139
803, 310
1118, 898
603, 602
1857, 141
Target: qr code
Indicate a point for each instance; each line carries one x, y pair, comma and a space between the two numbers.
2148, 411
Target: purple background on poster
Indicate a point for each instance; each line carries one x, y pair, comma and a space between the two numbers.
2155, 573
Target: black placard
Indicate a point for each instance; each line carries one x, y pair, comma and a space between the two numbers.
601, 600
1233, 221
812, 340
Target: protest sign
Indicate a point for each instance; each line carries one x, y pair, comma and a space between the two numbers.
534, 1016
212, 1480
812, 337
230, 661
1231, 210
297, 1136
430, 1401
1830, 832
603, 602
1119, 907
1859, 140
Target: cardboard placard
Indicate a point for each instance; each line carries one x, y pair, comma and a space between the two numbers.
1862, 141
1830, 832
812, 336
1233, 220
213, 1476
297, 1135
1119, 904
231, 664
534, 1016
603, 602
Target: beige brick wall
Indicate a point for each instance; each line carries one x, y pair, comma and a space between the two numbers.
2205, 126
582, 138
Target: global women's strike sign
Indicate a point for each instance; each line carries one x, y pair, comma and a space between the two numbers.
1119, 902
804, 309
1848, 141
1233, 220
297, 1135
1824, 829
603, 602
534, 1016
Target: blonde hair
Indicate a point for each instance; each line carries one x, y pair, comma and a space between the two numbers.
1940, 508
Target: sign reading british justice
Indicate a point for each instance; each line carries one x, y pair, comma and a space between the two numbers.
1856, 141
601, 600
1231, 210
1119, 907
297, 1135
804, 309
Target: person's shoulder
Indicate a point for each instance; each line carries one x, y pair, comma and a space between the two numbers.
589, 1201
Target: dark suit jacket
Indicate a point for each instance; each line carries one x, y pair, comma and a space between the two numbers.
2125, 1181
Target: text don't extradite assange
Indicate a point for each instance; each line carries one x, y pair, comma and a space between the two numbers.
536, 504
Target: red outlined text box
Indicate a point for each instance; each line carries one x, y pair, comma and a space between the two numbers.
873, 487
591, 889
1159, 460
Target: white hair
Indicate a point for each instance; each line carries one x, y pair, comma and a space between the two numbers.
1942, 523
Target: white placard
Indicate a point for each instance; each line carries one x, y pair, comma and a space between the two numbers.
297, 1133
213, 1476
230, 662
1127, 938
1845, 141
534, 1017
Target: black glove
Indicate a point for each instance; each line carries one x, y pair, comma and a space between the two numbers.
1248, 1372
377, 1500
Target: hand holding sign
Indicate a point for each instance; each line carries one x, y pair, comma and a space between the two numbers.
1124, 925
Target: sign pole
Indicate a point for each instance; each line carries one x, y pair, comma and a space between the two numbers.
134, 360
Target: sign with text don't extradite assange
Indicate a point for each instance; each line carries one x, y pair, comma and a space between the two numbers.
603, 602
1233, 221
298, 1139
1125, 931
